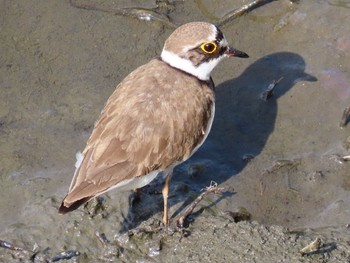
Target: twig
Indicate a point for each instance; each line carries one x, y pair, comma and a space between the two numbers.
241, 11
139, 231
139, 13
212, 188
345, 118
313, 247
102, 238
268, 93
11, 246
346, 158
65, 255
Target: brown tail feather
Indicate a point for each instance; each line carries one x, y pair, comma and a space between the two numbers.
65, 209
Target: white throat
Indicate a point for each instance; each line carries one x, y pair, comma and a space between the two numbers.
202, 71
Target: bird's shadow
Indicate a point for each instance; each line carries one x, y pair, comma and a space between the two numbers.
243, 123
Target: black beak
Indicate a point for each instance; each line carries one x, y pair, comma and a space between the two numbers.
232, 52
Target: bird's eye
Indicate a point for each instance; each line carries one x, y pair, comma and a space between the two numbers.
208, 47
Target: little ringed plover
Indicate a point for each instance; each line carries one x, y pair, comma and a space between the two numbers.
157, 118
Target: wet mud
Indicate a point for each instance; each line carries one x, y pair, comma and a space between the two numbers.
279, 159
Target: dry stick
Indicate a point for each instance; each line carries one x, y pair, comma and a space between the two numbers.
213, 188
346, 158
313, 247
11, 246
268, 93
65, 255
102, 238
345, 117
139, 13
241, 11
148, 15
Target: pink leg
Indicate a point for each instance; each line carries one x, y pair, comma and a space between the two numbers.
165, 193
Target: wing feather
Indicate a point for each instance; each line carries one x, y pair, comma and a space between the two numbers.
143, 128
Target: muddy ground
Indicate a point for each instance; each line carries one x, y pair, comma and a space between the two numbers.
280, 159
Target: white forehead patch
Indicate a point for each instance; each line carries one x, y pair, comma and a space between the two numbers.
213, 32
224, 42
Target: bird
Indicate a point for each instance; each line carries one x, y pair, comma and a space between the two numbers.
157, 118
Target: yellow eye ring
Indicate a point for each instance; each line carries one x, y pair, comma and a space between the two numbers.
209, 47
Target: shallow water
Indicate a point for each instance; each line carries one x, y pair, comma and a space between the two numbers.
59, 64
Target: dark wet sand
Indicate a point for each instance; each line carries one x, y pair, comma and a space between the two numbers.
280, 159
